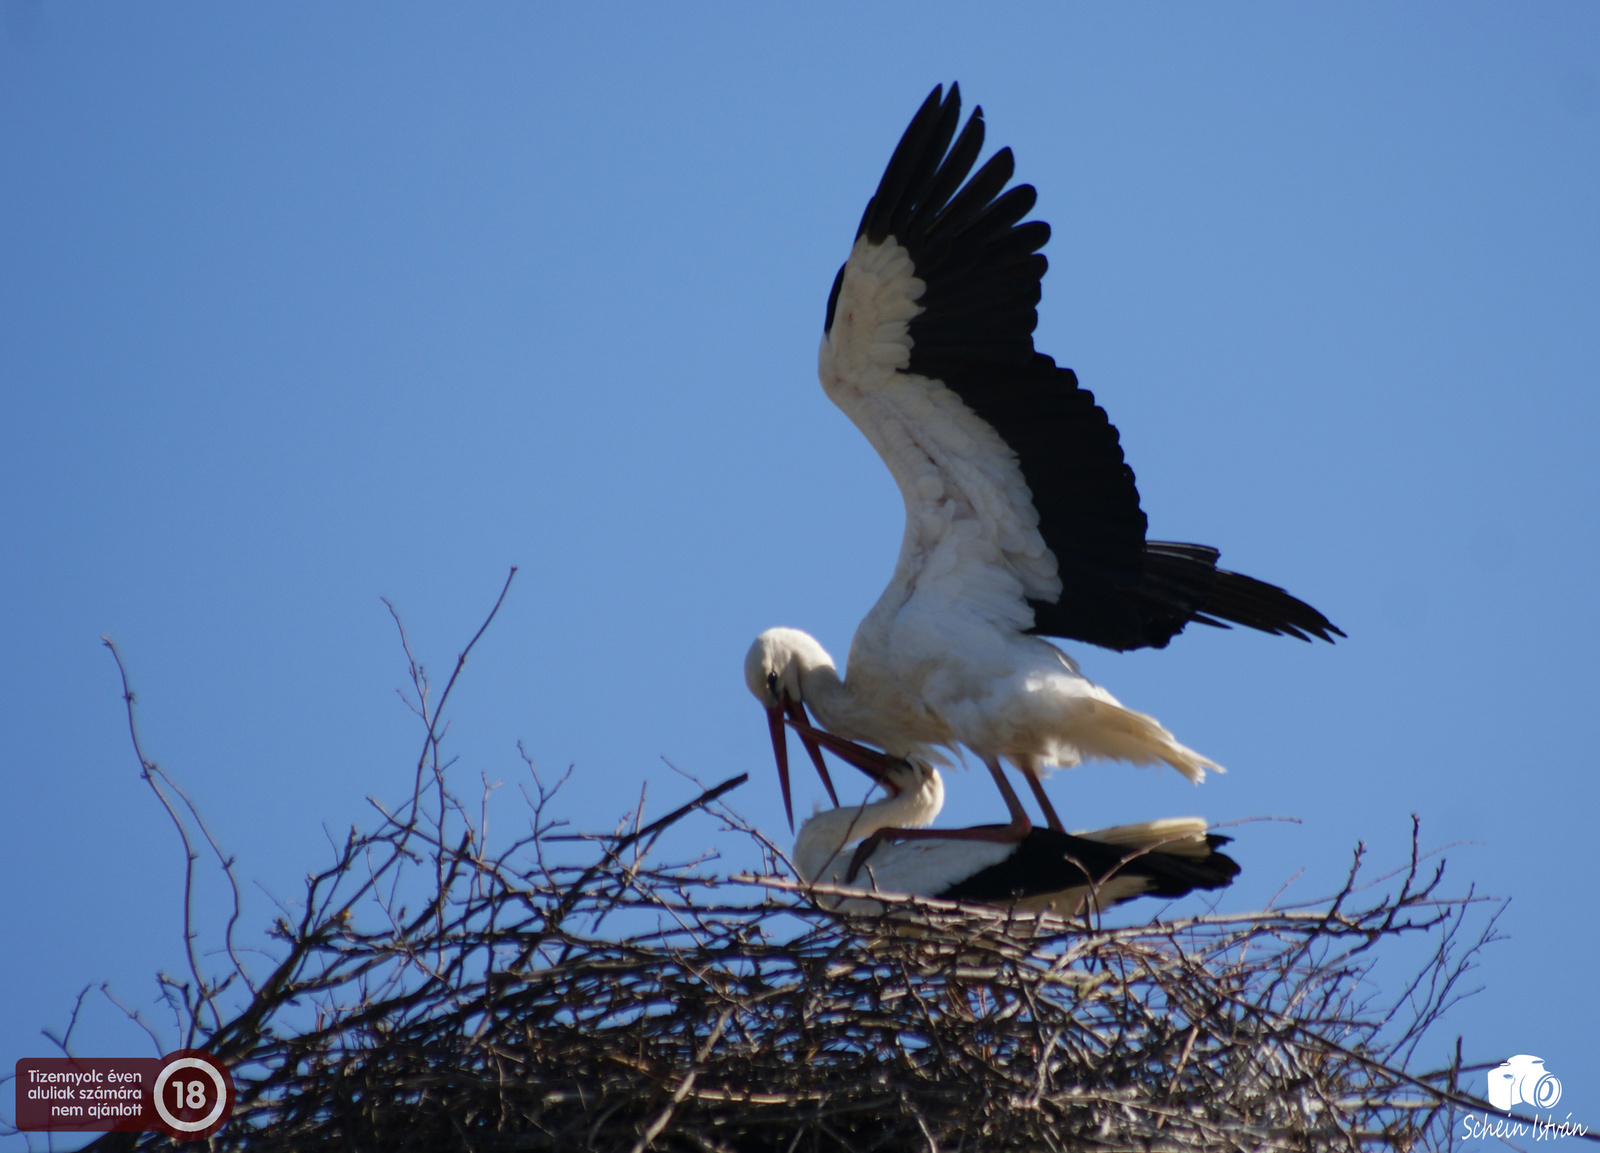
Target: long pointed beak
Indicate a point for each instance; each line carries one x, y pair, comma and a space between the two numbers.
797, 712
870, 761
780, 753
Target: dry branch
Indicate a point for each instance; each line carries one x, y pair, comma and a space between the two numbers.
432, 994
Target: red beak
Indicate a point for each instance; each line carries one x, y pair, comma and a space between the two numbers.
808, 738
870, 761
797, 713
780, 753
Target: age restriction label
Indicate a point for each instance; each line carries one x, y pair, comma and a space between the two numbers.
187, 1094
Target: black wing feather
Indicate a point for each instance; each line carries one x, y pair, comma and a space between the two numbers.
1048, 862
983, 271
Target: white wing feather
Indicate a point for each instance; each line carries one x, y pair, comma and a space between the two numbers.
972, 538
941, 660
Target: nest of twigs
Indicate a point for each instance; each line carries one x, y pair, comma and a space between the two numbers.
769, 1024
434, 996
742, 1016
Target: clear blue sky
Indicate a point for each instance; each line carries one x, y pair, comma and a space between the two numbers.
303, 306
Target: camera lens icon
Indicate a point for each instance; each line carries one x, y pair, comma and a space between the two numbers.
1522, 1080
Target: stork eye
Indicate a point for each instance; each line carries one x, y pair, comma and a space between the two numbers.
772, 685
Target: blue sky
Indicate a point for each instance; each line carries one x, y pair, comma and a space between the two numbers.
302, 307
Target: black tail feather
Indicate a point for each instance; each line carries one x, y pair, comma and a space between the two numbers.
1181, 582
1050, 862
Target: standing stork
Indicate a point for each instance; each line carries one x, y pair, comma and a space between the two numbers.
1022, 520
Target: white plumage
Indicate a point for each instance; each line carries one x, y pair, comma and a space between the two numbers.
928, 682
1043, 872
1021, 517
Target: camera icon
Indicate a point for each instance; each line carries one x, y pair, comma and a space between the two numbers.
1523, 1081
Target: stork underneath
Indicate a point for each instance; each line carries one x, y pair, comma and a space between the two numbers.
1022, 520
1045, 871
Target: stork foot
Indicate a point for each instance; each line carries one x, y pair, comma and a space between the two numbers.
997, 834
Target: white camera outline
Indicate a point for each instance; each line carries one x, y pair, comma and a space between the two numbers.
1508, 1080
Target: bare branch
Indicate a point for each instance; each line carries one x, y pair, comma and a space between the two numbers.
437, 990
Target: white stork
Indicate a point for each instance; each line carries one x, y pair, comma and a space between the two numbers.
1045, 870
1022, 520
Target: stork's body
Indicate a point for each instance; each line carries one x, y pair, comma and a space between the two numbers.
1022, 699
1044, 871
1022, 519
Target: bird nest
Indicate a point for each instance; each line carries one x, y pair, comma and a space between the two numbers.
741, 1015
581, 994
771, 1025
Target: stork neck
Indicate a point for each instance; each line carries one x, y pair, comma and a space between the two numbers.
826, 834
827, 697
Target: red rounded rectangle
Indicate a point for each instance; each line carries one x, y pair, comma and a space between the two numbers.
86, 1094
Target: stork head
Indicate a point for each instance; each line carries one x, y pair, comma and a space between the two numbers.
776, 668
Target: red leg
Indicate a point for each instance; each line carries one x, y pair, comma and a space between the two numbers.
1034, 783
1019, 815
1019, 828
1000, 834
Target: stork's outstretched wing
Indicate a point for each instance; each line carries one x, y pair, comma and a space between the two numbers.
1017, 497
